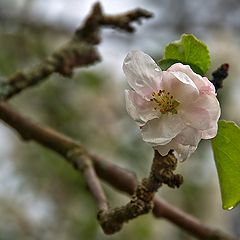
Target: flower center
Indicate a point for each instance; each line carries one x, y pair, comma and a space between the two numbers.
164, 102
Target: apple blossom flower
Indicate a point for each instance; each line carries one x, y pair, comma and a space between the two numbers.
175, 108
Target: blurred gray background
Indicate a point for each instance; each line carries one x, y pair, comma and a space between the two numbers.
41, 196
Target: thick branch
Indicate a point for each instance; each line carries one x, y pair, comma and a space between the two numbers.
141, 202
79, 51
72, 151
114, 175
73, 54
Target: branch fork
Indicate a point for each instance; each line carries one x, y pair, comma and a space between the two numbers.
142, 200
122, 179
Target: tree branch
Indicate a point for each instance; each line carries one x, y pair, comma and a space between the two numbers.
79, 51
120, 178
141, 201
85, 165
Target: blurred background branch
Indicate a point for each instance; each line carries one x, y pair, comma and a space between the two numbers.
78, 156
79, 51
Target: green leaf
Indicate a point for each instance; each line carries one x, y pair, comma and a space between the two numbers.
166, 63
226, 148
189, 50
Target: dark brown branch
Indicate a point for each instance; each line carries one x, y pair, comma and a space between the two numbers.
219, 75
90, 29
187, 222
126, 181
73, 54
79, 51
72, 151
114, 175
142, 200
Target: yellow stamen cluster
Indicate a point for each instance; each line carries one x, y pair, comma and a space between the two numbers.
164, 102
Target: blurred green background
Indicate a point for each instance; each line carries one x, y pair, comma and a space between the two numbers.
41, 196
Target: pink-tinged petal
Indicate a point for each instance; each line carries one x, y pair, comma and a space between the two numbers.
213, 107
189, 136
139, 109
179, 67
210, 133
184, 144
203, 84
180, 86
164, 149
211, 104
162, 130
142, 73
206, 87
196, 117
176, 67
183, 152
203, 113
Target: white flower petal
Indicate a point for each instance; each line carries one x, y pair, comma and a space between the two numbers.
183, 152
162, 130
203, 113
196, 117
184, 144
180, 86
211, 104
164, 149
179, 67
210, 133
214, 111
187, 142
202, 83
189, 136
139, 109
206, 87
142, 73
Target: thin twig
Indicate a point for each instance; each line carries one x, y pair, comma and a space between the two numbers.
79, 51
118, 177
85, 165
124, 21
